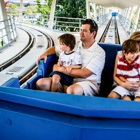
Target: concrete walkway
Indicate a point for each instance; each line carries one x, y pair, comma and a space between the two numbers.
14, 49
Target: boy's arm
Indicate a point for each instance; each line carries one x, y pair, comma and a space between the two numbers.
59, 63
75, 66
122, 79
139, 83
69, 68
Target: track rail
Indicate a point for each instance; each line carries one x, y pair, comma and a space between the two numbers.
30, 73
110, 34
20, 54
35, 44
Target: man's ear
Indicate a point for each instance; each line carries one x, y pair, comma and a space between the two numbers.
94, 33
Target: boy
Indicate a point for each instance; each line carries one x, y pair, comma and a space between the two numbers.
68, 60
128, 69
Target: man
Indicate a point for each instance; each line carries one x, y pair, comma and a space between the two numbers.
88, 78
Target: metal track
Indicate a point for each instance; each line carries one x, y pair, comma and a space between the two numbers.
110, 34
33, 70
10, 67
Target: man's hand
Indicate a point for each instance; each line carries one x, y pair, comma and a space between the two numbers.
43, 56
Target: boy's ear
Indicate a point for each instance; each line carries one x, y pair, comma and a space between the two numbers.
123, 52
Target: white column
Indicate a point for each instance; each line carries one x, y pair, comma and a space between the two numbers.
131, 13
101, 14
136, 18
95, 11
87, 9
3, 10
126, 17
6, 24
51, 19
20, 10
126, 14
130, 17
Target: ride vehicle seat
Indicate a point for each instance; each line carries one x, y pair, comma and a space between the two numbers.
111, 50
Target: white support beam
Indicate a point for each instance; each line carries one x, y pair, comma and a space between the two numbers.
51, 20
87, 9
130, 18
95, 11
20, 10
6, 24
137, 18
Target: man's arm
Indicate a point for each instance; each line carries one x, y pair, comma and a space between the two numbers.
74, 67
69, 68
49, 51
93, 65
81, 73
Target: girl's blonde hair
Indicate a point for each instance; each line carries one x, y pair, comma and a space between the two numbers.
136, 36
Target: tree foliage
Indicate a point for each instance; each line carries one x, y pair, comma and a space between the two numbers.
44, 9
70, 8
31, 11
12, 9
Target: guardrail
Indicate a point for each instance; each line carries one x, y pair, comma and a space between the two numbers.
65, 23
8, 33
128, 25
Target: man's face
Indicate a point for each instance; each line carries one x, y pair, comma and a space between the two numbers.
85, 34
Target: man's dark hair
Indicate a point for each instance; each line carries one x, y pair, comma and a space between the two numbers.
93, 25
68, 39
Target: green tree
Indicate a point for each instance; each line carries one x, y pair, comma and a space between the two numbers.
12, 9
31, 11
44, 11
70, 8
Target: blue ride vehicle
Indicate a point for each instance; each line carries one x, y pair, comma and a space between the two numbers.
26, 113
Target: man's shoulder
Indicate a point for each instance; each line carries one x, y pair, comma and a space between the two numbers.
98, 47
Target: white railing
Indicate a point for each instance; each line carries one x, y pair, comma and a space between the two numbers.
128, 25
65, 23
8, 33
